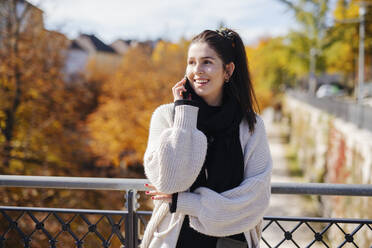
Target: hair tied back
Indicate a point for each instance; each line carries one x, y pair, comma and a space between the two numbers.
227, 34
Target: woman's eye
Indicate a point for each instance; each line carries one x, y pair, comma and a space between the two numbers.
207, 62
191, 62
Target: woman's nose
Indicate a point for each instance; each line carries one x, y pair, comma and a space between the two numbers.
198, 69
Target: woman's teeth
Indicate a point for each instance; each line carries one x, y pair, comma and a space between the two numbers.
201, 81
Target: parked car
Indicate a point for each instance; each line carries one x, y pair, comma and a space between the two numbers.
330, 90
367, 94
368, 101
367, 89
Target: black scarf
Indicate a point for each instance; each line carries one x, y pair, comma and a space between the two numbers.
224, 161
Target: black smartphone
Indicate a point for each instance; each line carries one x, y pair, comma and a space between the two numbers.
185, 94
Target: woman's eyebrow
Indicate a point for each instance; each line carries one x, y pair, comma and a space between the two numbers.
206, 57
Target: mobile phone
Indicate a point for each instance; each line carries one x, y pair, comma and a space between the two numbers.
185, 94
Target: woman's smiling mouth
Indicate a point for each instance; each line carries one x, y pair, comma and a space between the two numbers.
201, 81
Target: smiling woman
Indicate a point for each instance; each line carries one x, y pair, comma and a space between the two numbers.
207, 156
207, 72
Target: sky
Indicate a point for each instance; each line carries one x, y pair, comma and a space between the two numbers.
168, 19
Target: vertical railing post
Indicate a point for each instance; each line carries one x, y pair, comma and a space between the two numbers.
135, 229
129, 227
135, 206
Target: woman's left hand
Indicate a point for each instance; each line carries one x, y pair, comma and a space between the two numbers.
156, 195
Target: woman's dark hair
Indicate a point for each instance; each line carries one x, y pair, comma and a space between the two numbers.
230, 48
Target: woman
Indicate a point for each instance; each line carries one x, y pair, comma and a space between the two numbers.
207, 157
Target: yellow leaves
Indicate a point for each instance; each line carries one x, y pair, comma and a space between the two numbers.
345, 10
340, 58
264, 97
4, 82
341, 55
170, 55
33, 93
269, 66
158, 51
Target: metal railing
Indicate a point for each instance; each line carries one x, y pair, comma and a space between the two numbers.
107, 228
358, 114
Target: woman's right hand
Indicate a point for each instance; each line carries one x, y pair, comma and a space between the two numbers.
178, 88
156, 195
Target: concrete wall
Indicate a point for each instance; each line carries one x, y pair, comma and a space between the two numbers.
332, 151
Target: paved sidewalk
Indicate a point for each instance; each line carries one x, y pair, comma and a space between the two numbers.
285, 205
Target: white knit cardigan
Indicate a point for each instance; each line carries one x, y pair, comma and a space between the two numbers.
173, 159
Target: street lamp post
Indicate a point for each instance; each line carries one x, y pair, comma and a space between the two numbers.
362, 12
312, 79
361, 21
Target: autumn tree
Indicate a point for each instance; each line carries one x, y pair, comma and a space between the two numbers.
42, 119
333, 38
307, 42
270, 68
23, 76
37, 112
342, 54
119, 127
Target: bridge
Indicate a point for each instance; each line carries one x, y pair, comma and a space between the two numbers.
125, 226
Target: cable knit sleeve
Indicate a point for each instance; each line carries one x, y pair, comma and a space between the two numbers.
176, 149
241, 208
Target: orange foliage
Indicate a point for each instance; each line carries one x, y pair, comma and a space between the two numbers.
119, 127
40, 115
268, 62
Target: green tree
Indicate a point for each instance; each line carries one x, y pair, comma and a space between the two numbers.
307, 43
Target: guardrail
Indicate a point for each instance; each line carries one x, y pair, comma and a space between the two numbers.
358, 114
122, 227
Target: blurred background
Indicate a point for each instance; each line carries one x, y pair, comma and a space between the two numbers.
80, 79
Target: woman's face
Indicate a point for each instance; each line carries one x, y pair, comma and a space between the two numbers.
206, 73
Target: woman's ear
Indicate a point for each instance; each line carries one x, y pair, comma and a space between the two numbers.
230, 67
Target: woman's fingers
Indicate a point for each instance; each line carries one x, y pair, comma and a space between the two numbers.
167, 198
154, 191
150, 186
178, 88
156, 195
179, 84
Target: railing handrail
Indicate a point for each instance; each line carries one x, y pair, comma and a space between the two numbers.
322, 189
88, 183
121, 184
352, 112
63, 210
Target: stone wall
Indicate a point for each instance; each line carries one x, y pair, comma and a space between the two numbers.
331, 150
